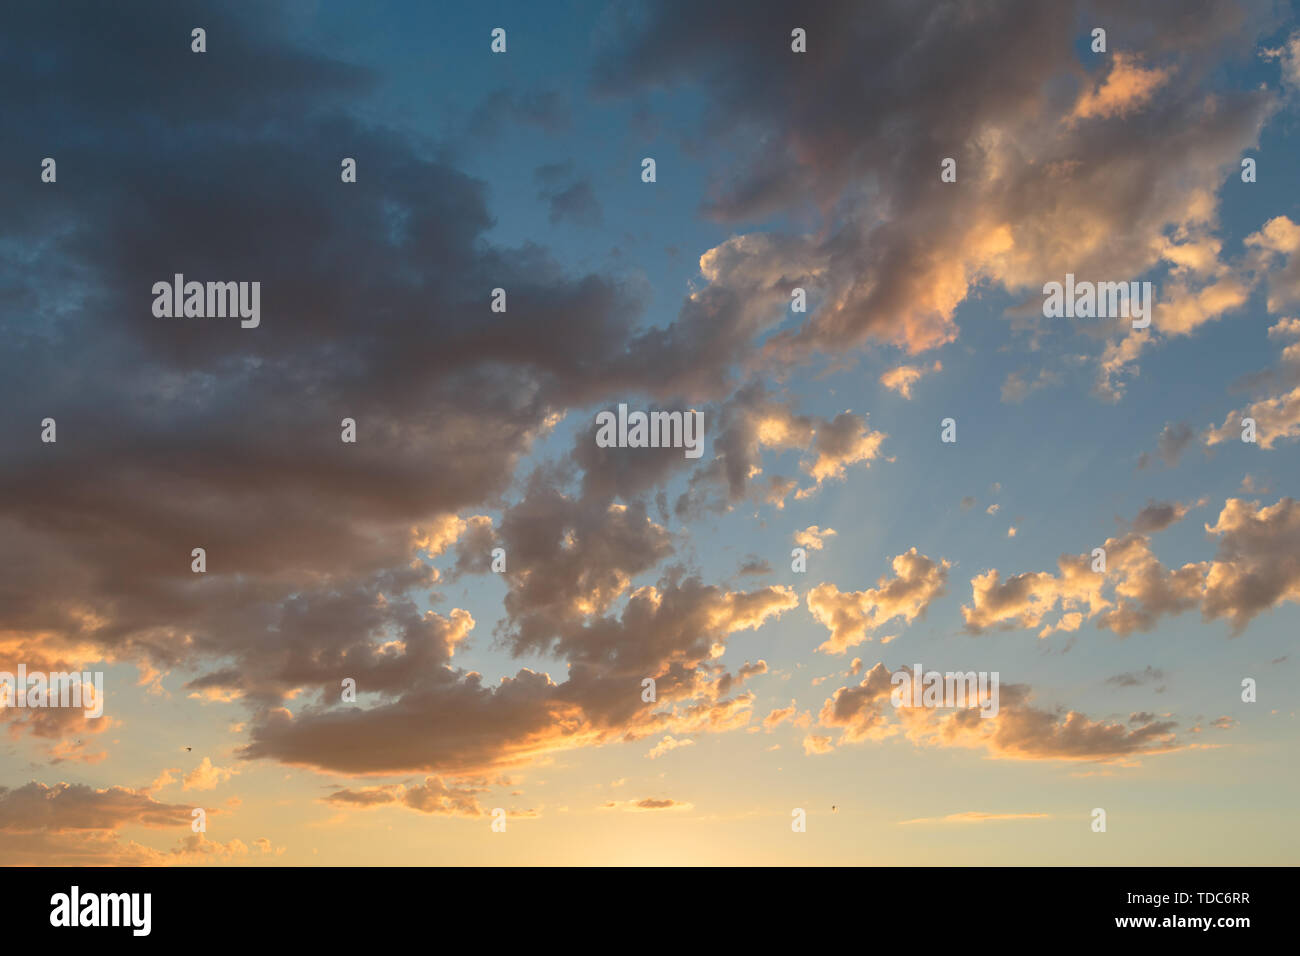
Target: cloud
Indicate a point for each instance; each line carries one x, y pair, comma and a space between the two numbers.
1277, 420
754, 420
779, 716
851, 616
1059, 170
571, 199
67, 824
1277, 417
1278, 240
314, 572
432, 796
817, 744
1174, 438
667, 744
448, 722
1147, 675
1254, 569
207, 776
1257, 563
66, 806
318, 551
66, 733
264, 845
754, 566
976, 816
1159, 515
843, 441
1287, 327
1019, 731
1125, 88
901, 378
105, 848
648, 804
727, 683
1015, 389
813, 537
548, 110
366, 796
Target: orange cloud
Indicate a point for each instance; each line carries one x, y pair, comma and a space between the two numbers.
1126, 87
850, 616
1019, 730
648, 804
901, 378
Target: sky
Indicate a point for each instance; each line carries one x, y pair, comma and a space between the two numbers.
1102, 531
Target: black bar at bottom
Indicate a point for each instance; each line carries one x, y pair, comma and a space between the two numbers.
301, 905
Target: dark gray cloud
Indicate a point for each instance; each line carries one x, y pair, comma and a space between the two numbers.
1147, 675
994, 87
1173, 441
547, 110
1158, 515
183, 433
571, 198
